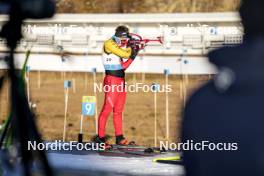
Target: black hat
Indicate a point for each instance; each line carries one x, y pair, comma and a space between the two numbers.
121, 31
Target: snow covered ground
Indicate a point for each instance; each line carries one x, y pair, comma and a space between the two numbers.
95, 164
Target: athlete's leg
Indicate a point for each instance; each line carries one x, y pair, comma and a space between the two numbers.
109, 101
118, 113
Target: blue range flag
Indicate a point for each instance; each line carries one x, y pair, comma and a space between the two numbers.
67, 84
166, 71
94, 70
155, 87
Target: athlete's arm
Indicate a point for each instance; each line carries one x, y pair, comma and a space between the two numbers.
126, 64
112, 48
133, 55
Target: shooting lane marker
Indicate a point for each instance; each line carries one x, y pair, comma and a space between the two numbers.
181, 79
88, 109
60, 50
183, 75
67, 85
186, 80
94, 70
155, 88
186, 70
63, 73
166, 73
27, 78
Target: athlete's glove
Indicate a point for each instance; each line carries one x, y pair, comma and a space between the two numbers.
134, 52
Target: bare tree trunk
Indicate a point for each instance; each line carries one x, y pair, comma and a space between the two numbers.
193, 6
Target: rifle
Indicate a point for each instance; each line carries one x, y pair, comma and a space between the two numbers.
136, 40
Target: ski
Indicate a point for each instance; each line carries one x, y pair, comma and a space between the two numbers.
137, 148
118, 153
170, 160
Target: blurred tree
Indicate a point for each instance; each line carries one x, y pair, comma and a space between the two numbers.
145, 6
89, 6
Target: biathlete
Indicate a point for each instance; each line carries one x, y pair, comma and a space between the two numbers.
115, 51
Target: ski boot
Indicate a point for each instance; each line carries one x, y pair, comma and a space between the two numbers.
99, 140
121, 140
